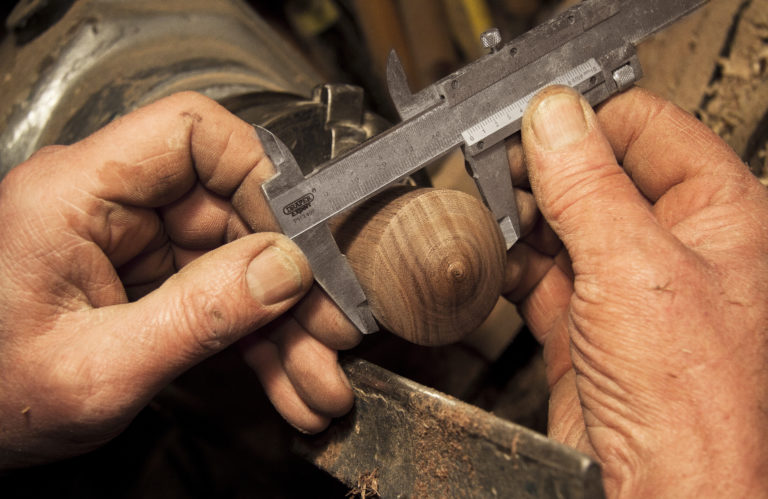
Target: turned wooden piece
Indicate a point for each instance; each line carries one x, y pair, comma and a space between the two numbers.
431, 261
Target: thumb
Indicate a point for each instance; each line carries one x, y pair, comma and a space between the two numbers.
584, 194
208, 305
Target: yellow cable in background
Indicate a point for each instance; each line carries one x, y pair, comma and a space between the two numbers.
468, 19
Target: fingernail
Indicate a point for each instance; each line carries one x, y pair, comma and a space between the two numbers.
273, 276
344, 378
558, 121
300, 430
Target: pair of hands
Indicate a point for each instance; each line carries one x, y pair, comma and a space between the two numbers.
651, 315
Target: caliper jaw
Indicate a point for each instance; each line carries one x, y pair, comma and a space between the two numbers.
407, 104
490, 170
331, 269
489, 167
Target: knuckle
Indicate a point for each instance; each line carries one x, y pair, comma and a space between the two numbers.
570, 191
33, 172
189, 99
206, 322
14, 180
20, 175
48, 150
188, 109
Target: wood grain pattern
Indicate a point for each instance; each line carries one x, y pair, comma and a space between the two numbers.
430, 261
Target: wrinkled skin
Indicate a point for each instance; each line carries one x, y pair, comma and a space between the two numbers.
142, 209
652, 311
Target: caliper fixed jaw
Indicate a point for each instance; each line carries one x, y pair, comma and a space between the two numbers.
330, 267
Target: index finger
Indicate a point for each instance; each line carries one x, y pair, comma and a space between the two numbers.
154, 155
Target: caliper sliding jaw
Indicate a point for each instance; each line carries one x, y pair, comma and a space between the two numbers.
590, 47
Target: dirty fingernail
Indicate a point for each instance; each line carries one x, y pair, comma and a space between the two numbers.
273, 276
300, 430
344, 378
558, 121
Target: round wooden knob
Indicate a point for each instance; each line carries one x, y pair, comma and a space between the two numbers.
431, 261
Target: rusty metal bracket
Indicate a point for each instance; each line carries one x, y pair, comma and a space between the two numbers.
403, 439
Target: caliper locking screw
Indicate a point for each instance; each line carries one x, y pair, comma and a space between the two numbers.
491, 39
624, 76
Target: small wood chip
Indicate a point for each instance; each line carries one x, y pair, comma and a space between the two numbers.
367, 485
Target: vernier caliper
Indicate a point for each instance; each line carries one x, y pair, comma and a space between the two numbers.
590, 47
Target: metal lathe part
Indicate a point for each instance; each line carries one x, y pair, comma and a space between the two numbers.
94, 60
417, 442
